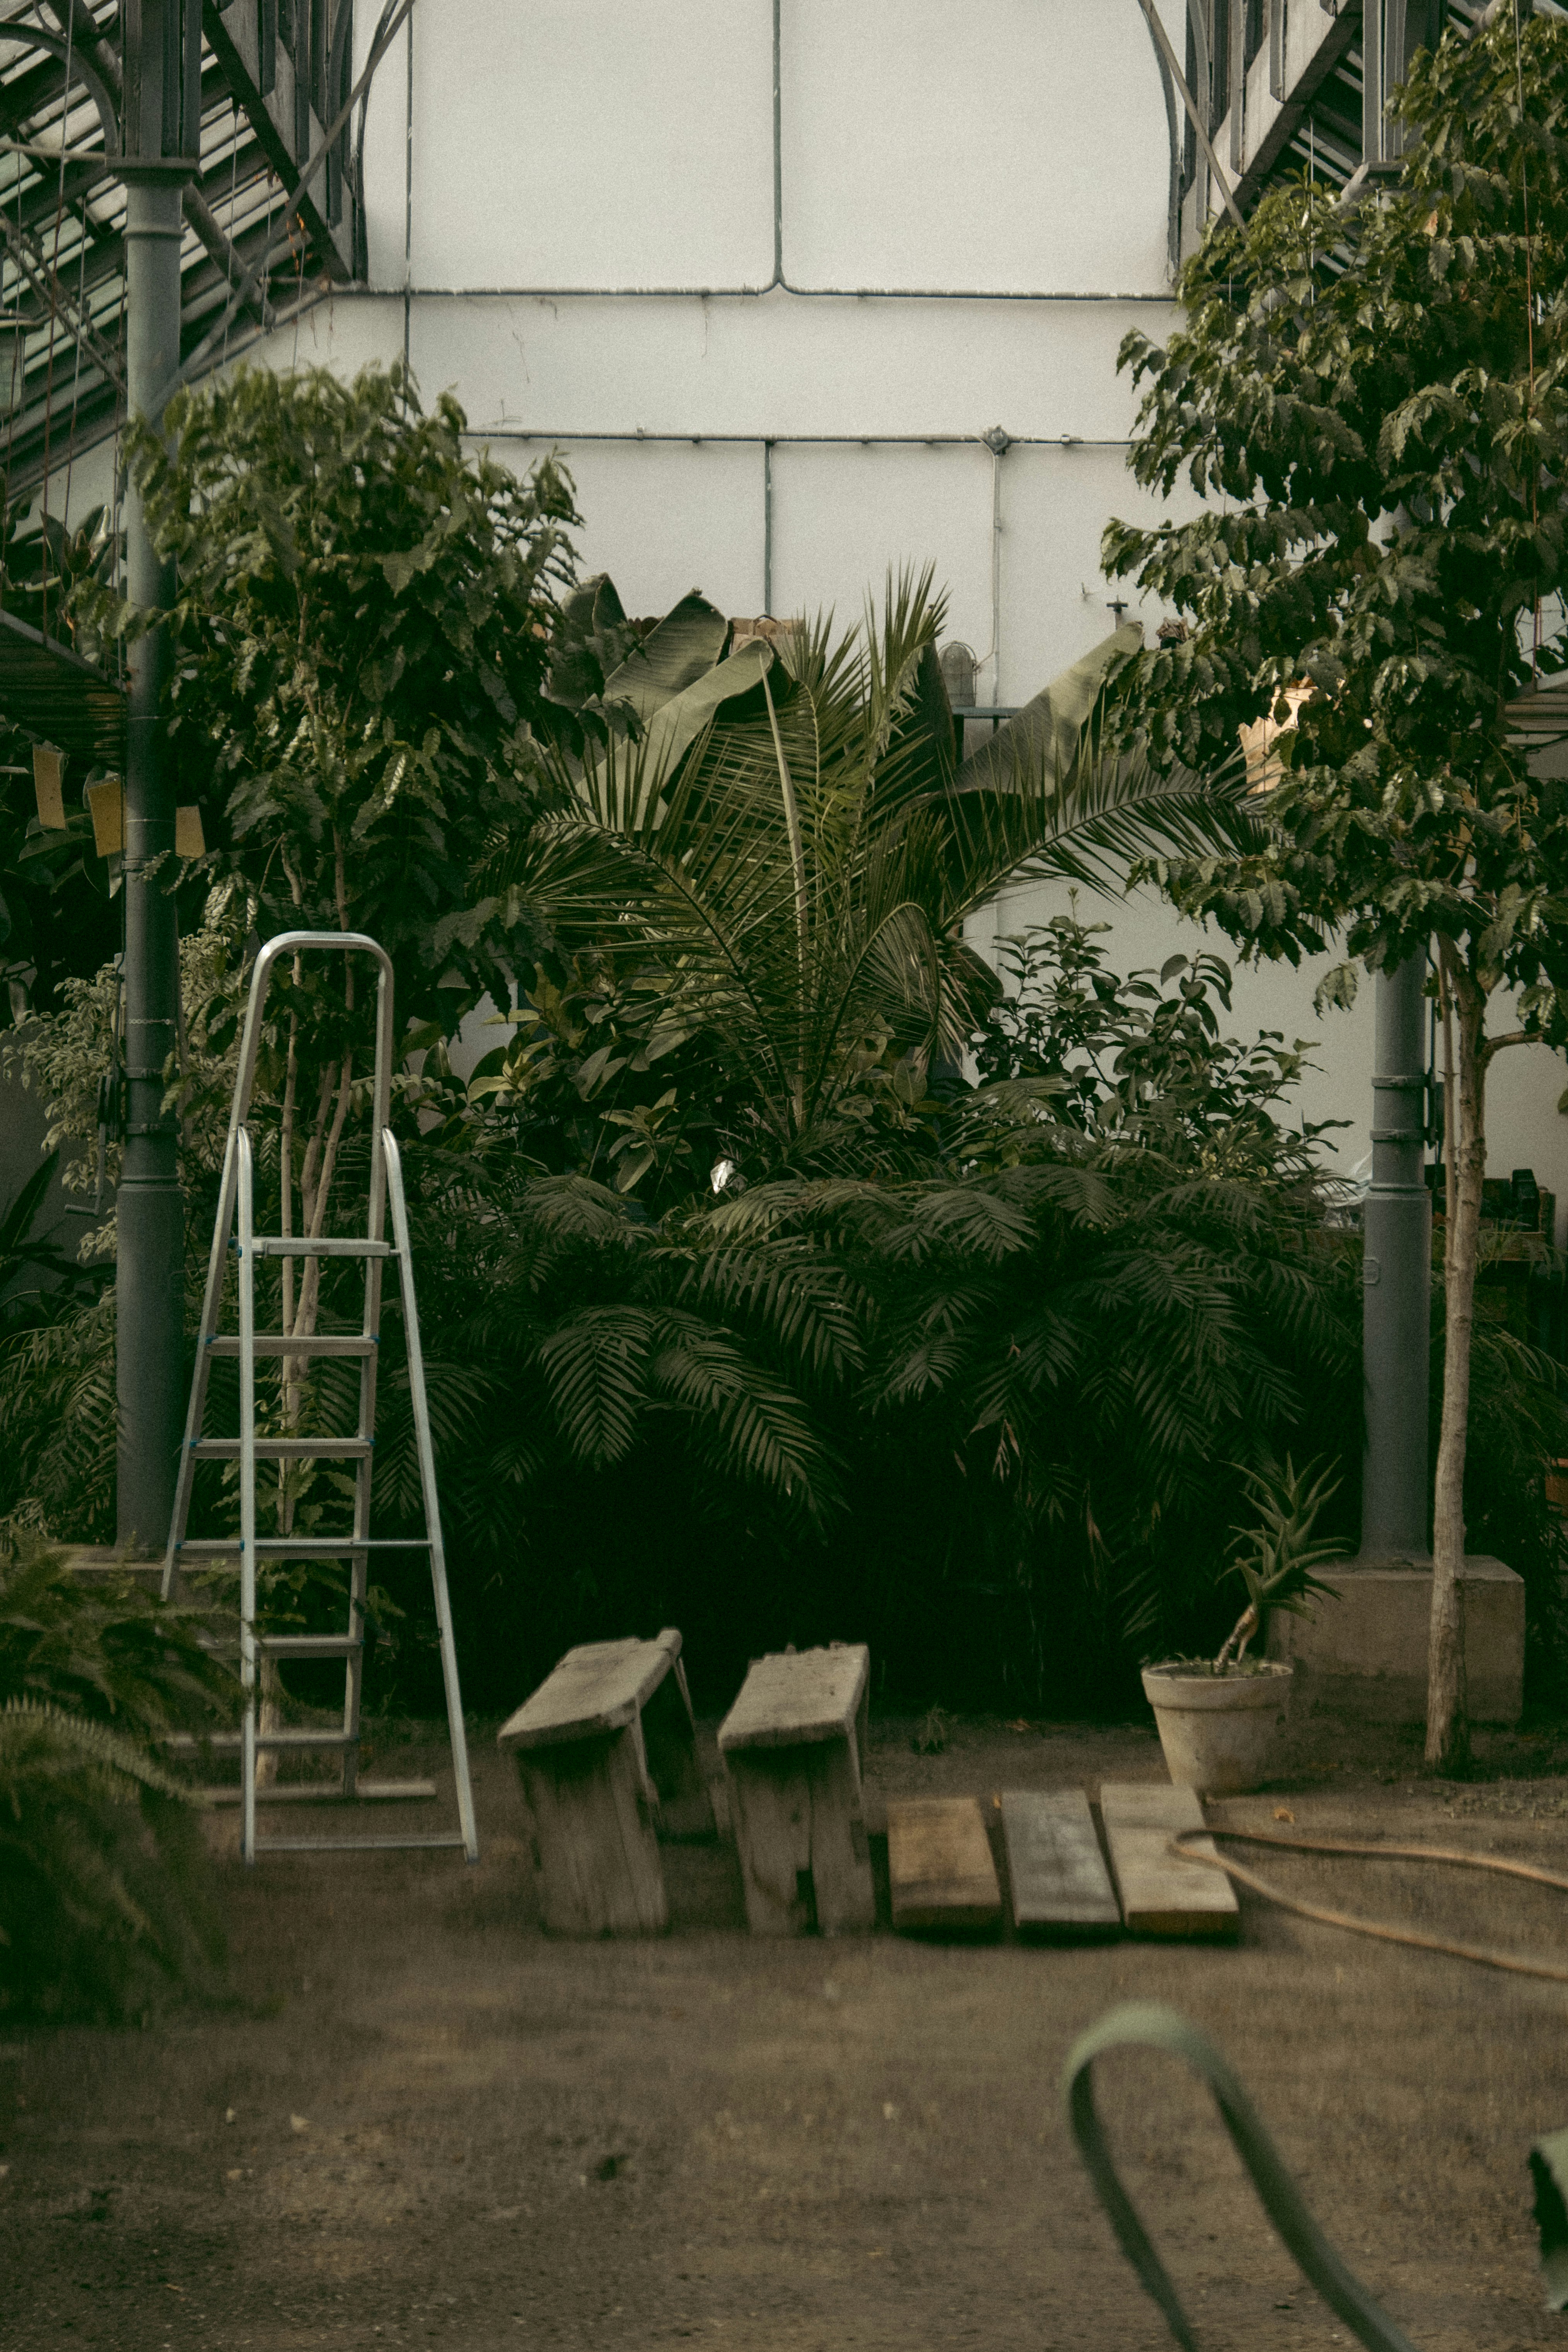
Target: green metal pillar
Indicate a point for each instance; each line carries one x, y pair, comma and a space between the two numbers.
149, 1209
1397, 1275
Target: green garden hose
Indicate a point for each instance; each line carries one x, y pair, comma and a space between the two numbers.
1156, 2027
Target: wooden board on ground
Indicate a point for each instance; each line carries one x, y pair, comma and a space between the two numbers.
1055, 1869
940, 1869
1162, 1895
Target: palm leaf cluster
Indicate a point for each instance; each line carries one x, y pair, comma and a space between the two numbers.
783, 828
103, 1886
834, 1400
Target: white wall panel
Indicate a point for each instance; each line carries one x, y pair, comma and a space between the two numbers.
778, 365
1010, 145
343, 335
1055, 603
583, 143
664, 518
843, 518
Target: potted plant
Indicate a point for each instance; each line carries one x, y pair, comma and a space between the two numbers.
1218, 1717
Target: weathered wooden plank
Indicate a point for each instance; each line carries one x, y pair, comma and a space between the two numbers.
1056, 1870
796, 1696
598, 1687
1161, 1893
804, 1859
940, 1869
595, 1858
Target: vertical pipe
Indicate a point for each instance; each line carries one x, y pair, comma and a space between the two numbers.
1371, 89
1278, 35
1236, 78
778, 277
767, 526
1396, 1276
150, 1213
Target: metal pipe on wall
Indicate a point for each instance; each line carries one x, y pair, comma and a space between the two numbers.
149, 1207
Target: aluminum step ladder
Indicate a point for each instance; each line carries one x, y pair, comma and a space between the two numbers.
236, 1229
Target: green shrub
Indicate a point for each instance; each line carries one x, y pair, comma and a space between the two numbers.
105, 1893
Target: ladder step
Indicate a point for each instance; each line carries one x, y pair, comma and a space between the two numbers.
275, 1343
359, 1845
309, 1646
230, 1743
286, 1449
300, 1245
304, 1792
300, 1547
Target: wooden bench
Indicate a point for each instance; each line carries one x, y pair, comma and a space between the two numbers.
606, 1754
1161, 1894
939, 1870
793, 1745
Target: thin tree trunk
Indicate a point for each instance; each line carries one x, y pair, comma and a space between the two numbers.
1448, 1727
801, 905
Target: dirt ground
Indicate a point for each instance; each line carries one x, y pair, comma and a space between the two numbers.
423, 2122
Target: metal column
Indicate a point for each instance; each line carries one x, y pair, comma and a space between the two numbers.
150, 1213
1397, 1275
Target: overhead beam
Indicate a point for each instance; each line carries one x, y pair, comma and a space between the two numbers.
284, 122
1339, 38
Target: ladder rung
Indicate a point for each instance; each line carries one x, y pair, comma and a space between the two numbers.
298, 1245
300, 1547
357, 1845
306, 1740
275, 1343
309, 1646
230, 1743
286, 1449
326, 1792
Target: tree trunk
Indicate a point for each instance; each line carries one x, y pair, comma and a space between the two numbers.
1448, 1728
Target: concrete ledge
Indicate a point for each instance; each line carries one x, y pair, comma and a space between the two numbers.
1365, 1654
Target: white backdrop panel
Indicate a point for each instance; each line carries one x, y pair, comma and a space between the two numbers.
779, 365
842, 517
584, 142
1055, 602
663, 516
1009, 144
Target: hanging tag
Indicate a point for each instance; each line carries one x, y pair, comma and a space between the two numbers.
106, 807
189, 839
48, 766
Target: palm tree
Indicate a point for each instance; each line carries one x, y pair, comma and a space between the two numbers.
784, 825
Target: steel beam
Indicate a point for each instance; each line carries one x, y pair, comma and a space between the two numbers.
149, 1208
1396, 1274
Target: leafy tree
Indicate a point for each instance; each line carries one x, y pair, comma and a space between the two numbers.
362, 633
57, 919
1376, 403
1140, 1058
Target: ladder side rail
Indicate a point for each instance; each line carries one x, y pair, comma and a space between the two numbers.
375, 1227
289, 943
247, 1654
212, 1304
380, 1107
432, 1506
